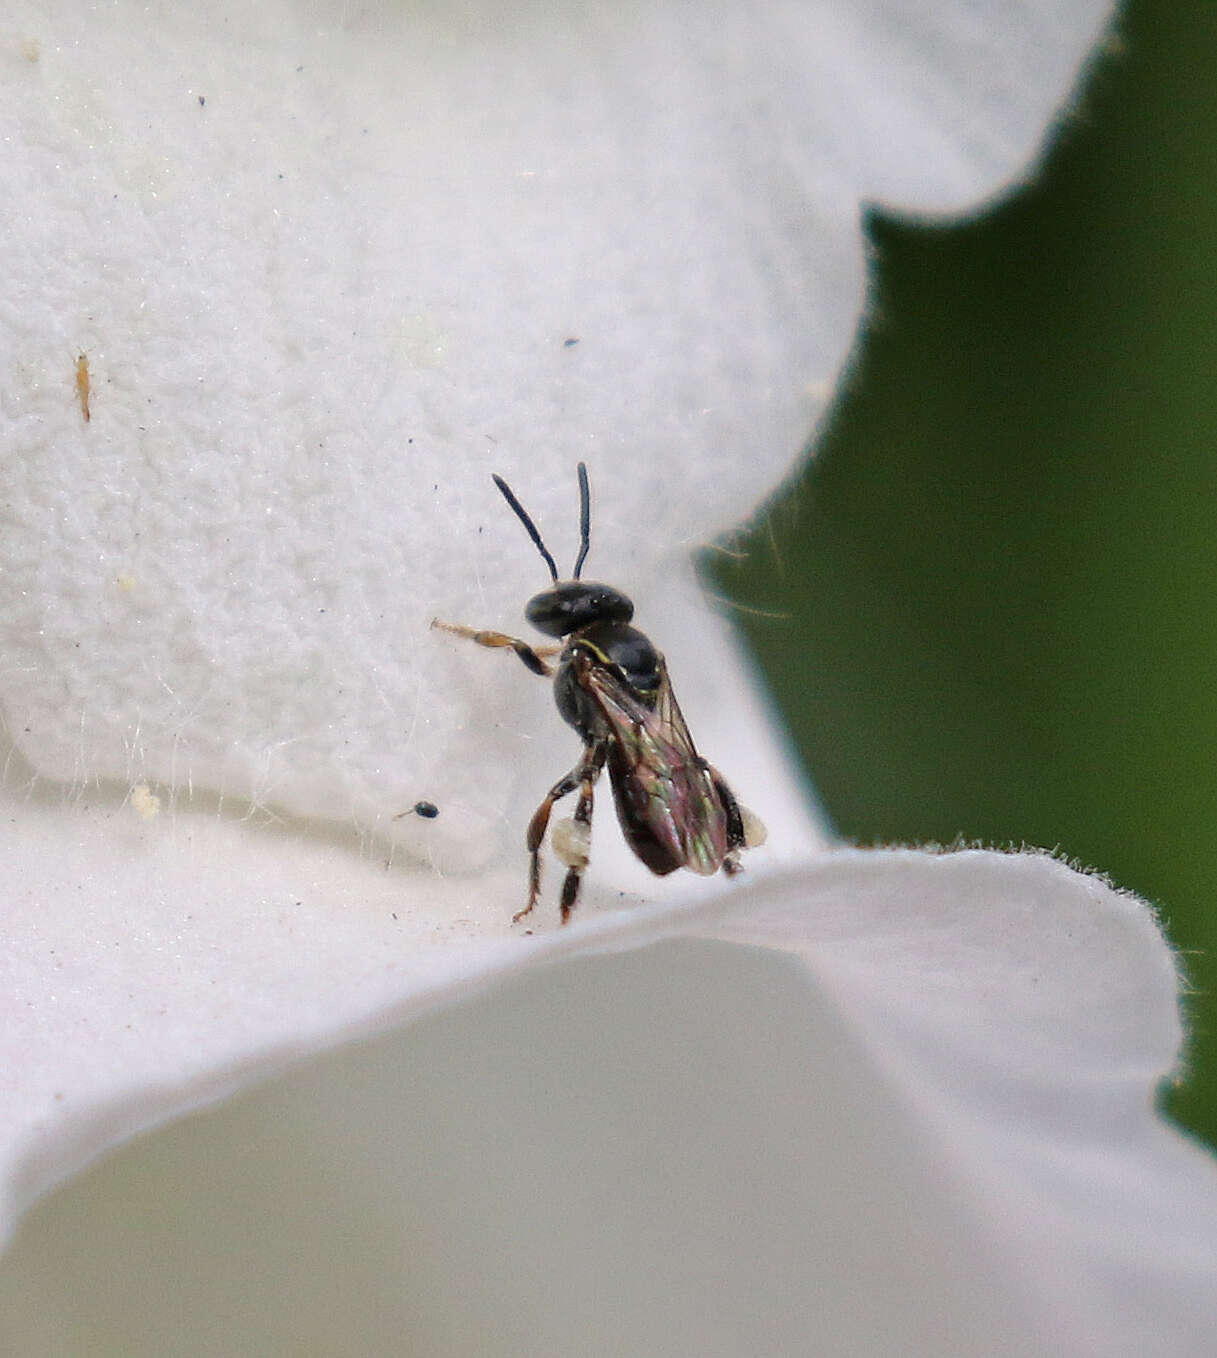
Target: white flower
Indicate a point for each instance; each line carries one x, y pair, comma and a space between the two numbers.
282, 289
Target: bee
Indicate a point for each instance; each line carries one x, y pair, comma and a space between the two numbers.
612, 686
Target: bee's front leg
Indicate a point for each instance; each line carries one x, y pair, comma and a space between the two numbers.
533, 657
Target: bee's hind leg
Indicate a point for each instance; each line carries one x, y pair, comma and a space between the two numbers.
745, 829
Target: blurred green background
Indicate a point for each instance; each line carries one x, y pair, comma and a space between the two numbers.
998, 580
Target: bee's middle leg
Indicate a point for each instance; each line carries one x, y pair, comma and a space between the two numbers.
574, 843
584, 775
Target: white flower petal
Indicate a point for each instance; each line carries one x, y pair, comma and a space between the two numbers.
322, 274
155, 963
933, 1136
323, 269
1024, 1016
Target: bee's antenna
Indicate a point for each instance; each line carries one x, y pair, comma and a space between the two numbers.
522, 515
585, 520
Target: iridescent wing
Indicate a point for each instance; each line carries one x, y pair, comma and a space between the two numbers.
669, 807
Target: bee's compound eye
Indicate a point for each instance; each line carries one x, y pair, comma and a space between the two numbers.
755, 833
573, 604
572, 842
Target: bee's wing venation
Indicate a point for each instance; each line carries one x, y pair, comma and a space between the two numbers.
669, 809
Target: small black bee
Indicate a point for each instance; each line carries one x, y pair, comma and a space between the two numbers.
612, 686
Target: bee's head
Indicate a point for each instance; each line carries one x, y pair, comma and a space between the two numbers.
574, 603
